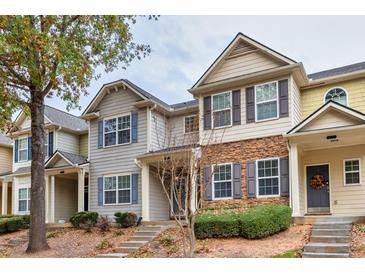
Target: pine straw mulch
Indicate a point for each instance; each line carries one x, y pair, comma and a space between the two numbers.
70, 243
169, 245
357, 249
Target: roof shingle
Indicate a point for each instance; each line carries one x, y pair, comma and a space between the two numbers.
337, 71
65, 119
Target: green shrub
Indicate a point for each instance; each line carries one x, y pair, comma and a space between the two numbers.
258, 222
11, 223
217, 226
3, 225
84, 217
126, 219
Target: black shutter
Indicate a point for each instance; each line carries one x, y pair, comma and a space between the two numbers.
135, 188
251, 179
237, 181
207, 112
208, 183
250, 105
134, 123
29, 148
100, 134
236, 98
100, 191
283, 98
284, 176
50, 143
16, 151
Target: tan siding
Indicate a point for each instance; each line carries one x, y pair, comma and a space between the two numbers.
241, 65
160, 133
6, 159
23, 163
178, 135
117, 159
345, 200
250, 130
314, 98
67, 142
19, 182
159, 205
84, 144
296, 103
65, 198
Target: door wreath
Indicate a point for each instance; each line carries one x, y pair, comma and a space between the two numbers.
317, 182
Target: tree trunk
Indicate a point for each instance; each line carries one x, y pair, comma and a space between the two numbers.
37, 231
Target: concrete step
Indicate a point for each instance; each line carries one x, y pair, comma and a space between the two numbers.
150, 228
133, 243
146, 233
112, 255
333, 225
330, 232
330, 239
325, 255
327, 248
126, 249
142, 238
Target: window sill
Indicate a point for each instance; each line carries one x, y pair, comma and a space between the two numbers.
222, 127
349, 185
223, 198
124, 204
117, 145
267, 196
266, 120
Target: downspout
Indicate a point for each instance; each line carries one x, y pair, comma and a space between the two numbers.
149, 127
290, 178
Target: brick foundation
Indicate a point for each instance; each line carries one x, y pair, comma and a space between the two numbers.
242, 151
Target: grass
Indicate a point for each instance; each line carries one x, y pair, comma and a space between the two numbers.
104, 244
54, 234
294, 253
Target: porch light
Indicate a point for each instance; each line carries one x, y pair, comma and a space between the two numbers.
332, 138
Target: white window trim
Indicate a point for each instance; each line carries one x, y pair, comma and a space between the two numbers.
344, 172
189, 116
116, 129
27, 199
46, 143
213, 183
347, 95
212, 111
22, 138
117, 189
267, 101
257, 178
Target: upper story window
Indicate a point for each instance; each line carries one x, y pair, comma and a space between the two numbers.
23, 149
117, 130
191, 124
222, 111
338, 95
266, 101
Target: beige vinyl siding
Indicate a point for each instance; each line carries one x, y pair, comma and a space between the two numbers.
6, 159
241, 65
84, 144
160, 132
178, 135
296, 104
22, 163
345, 200
116, 159
19, 182
67, 142
159, 205
246, 131
330, 119
65, 198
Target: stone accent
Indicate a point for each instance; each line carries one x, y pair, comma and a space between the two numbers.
243, 151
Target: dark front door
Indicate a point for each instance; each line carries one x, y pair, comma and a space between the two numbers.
318, 199
178, 204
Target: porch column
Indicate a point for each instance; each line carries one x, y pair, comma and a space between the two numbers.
80, 189
47, 198
194, 176
4, 199
294, 179
145, 179
52, 199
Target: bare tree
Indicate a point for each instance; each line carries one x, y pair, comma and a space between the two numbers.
179, 170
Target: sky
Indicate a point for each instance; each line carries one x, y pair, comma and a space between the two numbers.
183, 47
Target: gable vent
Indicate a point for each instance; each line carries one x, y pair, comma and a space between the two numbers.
241, 48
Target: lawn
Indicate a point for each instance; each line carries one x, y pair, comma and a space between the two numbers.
67, 242
286, 244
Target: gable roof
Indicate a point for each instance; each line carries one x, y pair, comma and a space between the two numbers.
241, 37
325, 107
71, 158
337, 71
4, 140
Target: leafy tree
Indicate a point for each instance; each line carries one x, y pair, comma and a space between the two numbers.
56, 56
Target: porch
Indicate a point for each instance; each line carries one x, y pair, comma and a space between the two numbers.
5, 194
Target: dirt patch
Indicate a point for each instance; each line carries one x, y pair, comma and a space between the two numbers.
357, 249
169, 244
71, 243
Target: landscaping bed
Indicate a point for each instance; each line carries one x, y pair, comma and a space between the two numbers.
68, 242
288, 243
357, 249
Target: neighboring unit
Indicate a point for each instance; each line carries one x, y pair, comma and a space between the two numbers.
6, 152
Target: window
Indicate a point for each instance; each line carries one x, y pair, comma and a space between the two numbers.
222, 110
266, 97
24, 200
338, 95
268, 177
117, 130
23, 149
191, 124
117, 189
352, 172
222, 181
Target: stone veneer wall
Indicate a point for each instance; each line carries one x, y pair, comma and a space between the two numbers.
242, 151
